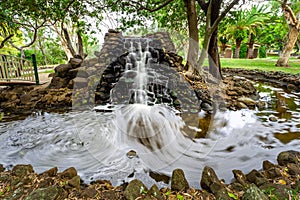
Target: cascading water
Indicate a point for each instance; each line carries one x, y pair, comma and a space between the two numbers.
143, 131
152, 130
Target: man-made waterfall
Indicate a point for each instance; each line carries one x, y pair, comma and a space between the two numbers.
145, 121
147, 127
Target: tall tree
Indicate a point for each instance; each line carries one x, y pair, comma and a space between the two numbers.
210, 45
25, 15
31, 16
260, 15
243, 25
272, 35
193, 34
293, 21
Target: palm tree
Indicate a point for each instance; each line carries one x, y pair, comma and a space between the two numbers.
261, 16
243, 24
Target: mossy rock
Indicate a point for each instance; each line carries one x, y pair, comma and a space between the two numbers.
135, 189
53, 192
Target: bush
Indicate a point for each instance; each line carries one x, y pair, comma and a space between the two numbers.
243, 51
262, 53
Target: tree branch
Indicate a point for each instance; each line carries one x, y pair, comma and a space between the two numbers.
292, 16
5, 40
223, 14
203, 5
13, 45
141, 7
68, 41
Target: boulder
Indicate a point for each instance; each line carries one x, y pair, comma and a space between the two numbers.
90, 192
22, 170
286, 157
247, 101
69, 173
253, 193
240, 177
75, 182
58, 82
50, 172
135, 189
25, 98
293, 169
178, 181
154, 191
267, 165
211, 183
75, 62
256, 177
62, 70
50, 193
1, 168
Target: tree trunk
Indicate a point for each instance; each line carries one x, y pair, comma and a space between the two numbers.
288, 47
193, 35
223, 49
212, 39
211, 29
68, 42
294, 30
250, 52
213, 51
41, 48
63, 42
238, 43
214, 58
298, 45
80, 45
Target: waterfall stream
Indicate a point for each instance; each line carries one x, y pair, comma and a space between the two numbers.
144, 132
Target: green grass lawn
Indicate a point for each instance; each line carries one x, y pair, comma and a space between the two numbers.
265, 64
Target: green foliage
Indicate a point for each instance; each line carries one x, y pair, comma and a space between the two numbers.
179, 197
273, 33
32, 16
1, 118
243, 51
231, 195
168, 193
262, 53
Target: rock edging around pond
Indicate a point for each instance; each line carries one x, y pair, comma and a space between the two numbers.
285, 80
274, 181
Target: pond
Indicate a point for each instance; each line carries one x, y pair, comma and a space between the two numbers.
129, 141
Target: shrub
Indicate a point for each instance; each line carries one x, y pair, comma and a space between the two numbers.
262, 53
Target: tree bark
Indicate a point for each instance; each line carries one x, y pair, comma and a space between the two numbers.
288, 47
250, 52
238, 43
5, 40
213, 18
80, 45
40, 46
213, 51
68, 42
193, 35
63, 42
294, 30
298, 45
